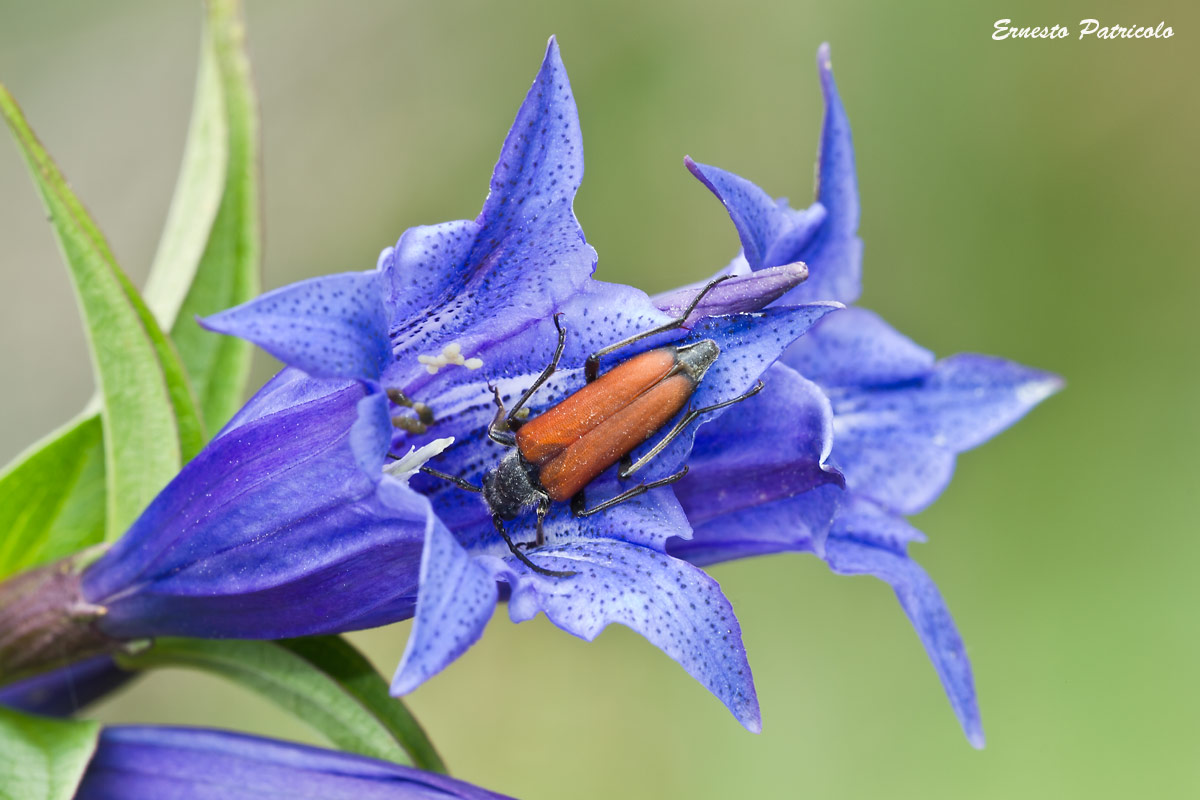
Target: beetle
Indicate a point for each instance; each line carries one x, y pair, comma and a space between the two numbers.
555, 455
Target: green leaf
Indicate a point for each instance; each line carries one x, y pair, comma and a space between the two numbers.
43, 759
52, 498
208, 259
340, 660
150, 421
322, 680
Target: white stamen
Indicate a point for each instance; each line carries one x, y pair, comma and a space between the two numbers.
451, 354
407, 466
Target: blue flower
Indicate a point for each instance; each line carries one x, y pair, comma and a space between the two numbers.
291, 521
148, 763
898, 417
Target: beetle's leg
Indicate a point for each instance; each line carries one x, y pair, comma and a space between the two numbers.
688, 419
625, 463
636, 491
498, 430
511, 420
524, 559
578, 503
543, 508
591, 368
459, 482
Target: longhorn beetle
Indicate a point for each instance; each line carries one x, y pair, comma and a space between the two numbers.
555, 455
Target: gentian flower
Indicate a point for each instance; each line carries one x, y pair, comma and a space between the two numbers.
898, 416
293, 522
150, 763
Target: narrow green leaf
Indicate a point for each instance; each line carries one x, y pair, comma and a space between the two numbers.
339, 659
228, 270
337, 692
149, 417
52, 500
207, 260
43, 759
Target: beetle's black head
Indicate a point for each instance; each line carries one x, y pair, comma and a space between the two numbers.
511, 486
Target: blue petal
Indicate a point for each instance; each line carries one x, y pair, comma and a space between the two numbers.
456, 601
926, 608
474, 282
897, 444
273, 530
152, 763
676, 606
768, 229
825, 236
796, 524
857, 348
66, 690
769, 448
330, 327
837, 181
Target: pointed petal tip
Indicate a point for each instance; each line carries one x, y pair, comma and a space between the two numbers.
752, 721
975, 737
824, 58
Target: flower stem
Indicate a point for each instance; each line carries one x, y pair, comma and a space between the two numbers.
45, 622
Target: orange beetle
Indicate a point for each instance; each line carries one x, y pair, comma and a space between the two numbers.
558, 453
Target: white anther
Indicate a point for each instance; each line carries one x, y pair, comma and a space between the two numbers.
451, 354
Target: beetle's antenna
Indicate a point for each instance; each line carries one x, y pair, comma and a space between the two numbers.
459, 482
591, 367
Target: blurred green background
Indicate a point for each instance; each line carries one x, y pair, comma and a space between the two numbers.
1031, 199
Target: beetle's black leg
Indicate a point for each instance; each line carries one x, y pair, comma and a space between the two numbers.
546, 373
687, 419
524, 559
543, 508
636, 491
578, 503
459, 482
498, 430
591, 368
625, 463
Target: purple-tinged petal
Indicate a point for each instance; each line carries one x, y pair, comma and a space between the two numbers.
456, 601
289, 388
272, 531
330, 327
153, 763
897, 444
66, 690
768, 229
857, 348
740, 294
927, 611
477, 282
770, 447
674, 605
796, 524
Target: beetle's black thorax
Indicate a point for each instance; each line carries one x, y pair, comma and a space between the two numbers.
512, 486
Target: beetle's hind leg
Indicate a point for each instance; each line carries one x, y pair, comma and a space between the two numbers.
591, 368
679, 427
636, 491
